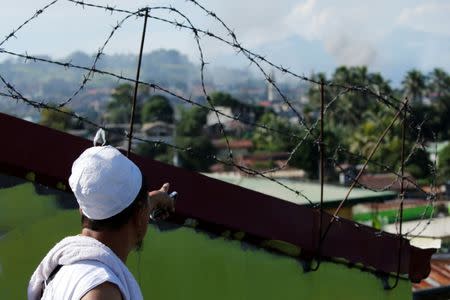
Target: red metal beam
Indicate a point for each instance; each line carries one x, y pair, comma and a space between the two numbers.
49, 154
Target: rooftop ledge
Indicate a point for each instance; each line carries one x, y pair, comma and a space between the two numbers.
48, 154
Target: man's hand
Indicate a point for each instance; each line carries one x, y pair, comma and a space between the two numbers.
161, 200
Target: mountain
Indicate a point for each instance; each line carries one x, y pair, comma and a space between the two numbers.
395, 54
167, 68
298, 55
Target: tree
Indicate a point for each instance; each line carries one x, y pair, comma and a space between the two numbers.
271, 141
191, 122
444, 164
366, 135
199, 154
349, 107
160, 152
246, 111
199, 149
314, 92
414, 85
119, 108
438, 83
305, 157
157, 108
438, 89
57, 120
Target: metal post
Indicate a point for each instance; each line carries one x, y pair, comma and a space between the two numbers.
321, 174
138, 72
322, 155
355, 180
402, 198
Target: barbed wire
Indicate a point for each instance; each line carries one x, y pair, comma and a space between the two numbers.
389, 100
152, 85
306, 136
16, 95
112, 9
431, 197
26, 22
195, 30
90, 73
282, 69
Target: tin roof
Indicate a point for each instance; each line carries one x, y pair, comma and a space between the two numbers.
385, 181
333, 194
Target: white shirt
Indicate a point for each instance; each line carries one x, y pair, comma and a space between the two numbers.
73, 281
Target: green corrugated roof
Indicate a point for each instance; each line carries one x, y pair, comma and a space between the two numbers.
333, 194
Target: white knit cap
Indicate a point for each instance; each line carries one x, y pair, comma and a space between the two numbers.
104, 181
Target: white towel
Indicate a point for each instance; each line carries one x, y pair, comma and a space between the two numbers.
77, 248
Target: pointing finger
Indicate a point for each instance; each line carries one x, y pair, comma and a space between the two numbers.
165, 187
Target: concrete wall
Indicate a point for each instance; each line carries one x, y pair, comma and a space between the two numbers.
179, 263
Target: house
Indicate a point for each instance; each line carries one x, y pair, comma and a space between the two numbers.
264, 160
239, 147
153, 131
391, 182
158, 130
231, 125
223, 242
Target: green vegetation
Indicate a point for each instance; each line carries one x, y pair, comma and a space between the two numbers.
306, 156
226, 100
119, 108
58, 120
157, 108
358, 119
409, 213
444, 164
160, 152
353, 123
190, 135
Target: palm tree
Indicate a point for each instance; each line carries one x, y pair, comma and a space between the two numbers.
438, 90
414, 85
438, 83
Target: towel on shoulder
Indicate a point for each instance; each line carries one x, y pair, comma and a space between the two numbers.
78, 248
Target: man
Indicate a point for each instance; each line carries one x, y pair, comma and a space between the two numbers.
115, 210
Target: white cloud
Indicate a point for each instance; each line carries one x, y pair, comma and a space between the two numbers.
352, 31
430, 17
349, 29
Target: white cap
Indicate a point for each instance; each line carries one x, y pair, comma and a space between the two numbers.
104, 181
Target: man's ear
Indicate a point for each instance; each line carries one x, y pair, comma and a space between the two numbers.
140, 217
81, 212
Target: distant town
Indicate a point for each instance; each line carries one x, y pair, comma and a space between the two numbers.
256, 127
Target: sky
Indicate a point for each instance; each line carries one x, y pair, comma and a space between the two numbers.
386, 35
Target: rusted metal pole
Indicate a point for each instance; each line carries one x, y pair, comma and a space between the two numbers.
321, 174
138, 72
322, 154
402, 198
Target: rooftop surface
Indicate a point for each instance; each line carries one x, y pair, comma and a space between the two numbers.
435, 228
333, 194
